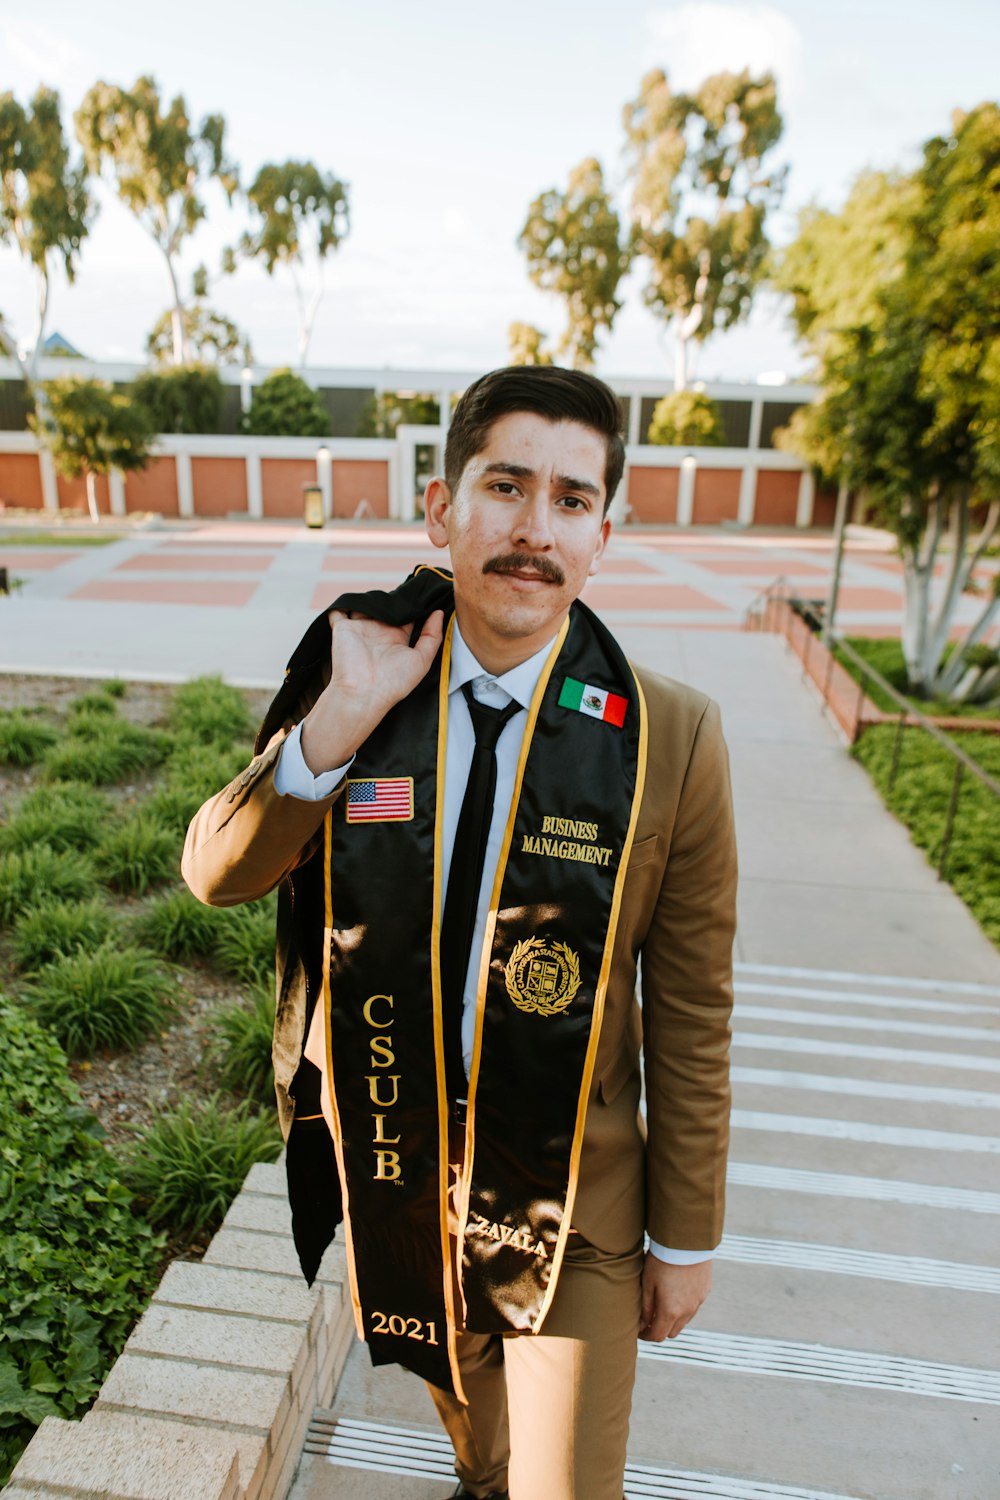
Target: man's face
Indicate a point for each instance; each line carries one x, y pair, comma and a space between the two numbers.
526, 528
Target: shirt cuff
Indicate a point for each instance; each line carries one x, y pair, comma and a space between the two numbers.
679, 1257
293, 778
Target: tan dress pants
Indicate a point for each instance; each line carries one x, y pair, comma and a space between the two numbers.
548, 1413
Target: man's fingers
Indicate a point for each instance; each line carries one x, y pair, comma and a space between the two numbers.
429, 639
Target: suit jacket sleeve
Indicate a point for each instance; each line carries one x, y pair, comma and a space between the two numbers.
244, 841
686, 1000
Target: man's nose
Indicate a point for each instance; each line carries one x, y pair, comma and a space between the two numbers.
533, 523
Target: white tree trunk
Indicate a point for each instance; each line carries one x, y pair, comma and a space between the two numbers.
176, 316
95, 514
686, 325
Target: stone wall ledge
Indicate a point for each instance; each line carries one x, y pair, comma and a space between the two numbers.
212, 1395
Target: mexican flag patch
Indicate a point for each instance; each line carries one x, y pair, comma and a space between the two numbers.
595, 701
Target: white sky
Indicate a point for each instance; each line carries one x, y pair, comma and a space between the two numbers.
446, 119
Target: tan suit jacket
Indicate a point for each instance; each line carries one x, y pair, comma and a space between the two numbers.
677, 912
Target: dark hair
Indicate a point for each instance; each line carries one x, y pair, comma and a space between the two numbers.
556, 394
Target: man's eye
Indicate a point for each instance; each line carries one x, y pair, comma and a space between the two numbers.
506, 487
574, 502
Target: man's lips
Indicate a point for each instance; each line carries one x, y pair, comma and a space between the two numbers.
527, 569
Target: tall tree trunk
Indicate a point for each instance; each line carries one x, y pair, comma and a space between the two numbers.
176, 315
41, 317
686, 325
95, 514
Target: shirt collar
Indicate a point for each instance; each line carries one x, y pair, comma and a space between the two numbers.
520, 682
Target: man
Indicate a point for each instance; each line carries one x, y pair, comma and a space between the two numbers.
479, 817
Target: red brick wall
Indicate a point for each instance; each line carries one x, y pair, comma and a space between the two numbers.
219, 484
777, 497
825, 510
21, 480
716, 496
154, 488
282, 480
355, 480
652, 494
73, 494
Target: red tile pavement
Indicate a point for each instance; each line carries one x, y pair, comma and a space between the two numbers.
162, 561
858, 598
631, 565
181, 591
379, 562
759, 566
649, 596
34, 559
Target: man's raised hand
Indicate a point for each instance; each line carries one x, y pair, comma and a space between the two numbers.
372, 668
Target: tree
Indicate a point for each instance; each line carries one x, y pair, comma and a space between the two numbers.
183, 398
91, 429
700, 198
387, 411
911, 407
687, 419
526, 345
285, 406
209, 335
301, 216
160, 166
45, 207
572, 242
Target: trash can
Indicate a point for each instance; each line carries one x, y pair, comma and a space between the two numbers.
312, 505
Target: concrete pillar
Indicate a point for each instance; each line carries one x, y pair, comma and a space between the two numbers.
748, 495
807, 498
406, 450
444, 410
324, 478
116, 492
50, 484
756, 419
634, 415
685, 489
618, 509
255, 487
185, 485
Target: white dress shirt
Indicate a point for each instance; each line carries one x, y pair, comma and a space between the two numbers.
293, 778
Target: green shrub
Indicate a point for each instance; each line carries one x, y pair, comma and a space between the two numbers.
687, 419
191, 1162
111, 997
101, 750
182, 398
29, 875
284, 405
54, 928
245, 944
114, 687
208, 709
885, 654
179, 927
65, 816
138, 853
24, 738
242, 1051
98, 703
76, 1264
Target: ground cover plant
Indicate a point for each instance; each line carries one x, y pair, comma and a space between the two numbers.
886, 656
54, 928
24, 738
920, 796
76, 1263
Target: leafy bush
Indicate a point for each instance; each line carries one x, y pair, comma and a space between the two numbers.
92, 703
66, 816
687, 419
920, 797
182, 398
28, 875
100, 751
115, 687
191, 1162
243, 1049
24, 738
53, 928
111, 997
885, 654
179, 927
209, 709
137, 853
245, 944
285, 406
76, 1264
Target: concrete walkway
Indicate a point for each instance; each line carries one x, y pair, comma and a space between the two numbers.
849, 1350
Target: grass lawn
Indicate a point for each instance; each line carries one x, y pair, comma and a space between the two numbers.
886, 656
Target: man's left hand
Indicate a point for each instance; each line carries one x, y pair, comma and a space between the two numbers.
671, 1295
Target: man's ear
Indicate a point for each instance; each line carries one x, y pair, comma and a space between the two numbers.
437, 504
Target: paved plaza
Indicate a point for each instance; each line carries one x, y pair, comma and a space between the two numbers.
849, 1350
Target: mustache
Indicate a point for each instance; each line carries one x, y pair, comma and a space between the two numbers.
519, 562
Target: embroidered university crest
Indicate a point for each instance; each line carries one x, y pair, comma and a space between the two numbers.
542, 976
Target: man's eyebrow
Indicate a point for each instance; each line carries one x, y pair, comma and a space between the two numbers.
521, 471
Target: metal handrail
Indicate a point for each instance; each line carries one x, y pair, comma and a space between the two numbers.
963, 762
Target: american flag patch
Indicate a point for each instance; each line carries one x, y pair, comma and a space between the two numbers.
380, 800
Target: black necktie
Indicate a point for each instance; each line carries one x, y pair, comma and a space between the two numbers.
467, 859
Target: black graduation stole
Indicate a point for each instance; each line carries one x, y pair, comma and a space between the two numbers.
543, 974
